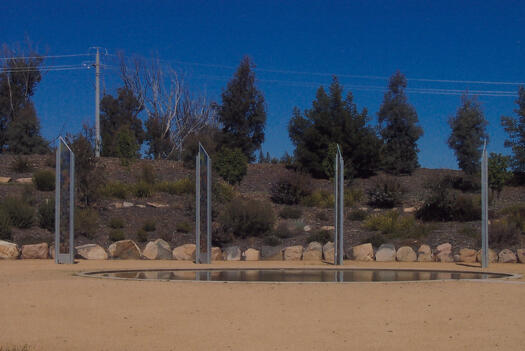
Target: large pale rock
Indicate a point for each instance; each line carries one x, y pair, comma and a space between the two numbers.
363, 252
521, 255
328, 251
409, 209
327, 227
314, 252
406, 254
467, 255
36, 251
272, 253
216, 254
24, 180
507, 256
307, 228
386, 253
91, 252
293, 253
424, 254
158, 250
127, 204
232, 253
252, 255
493, 256
156, 205
9, 251
124, 250
4, 180
184, 252
443, 253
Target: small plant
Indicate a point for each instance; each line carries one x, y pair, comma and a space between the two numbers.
271, 240
116, 235
28, 194
222, 192
21, 214
320, 199
357, 215
291, 213
149, 225
21, 165
44, 180
46, 215
283, 231
142, 189
444, 205
386, 193
116, 223
117, 190
290, 190
231, 165
86, 222
376, 240
504, 232
247, 217
322, 237
469, 230
148, 174
353, 196
5, 225
322, 216
397, 226
179, 187
142, 236
183, 227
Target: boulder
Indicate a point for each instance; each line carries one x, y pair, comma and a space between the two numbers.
307, 228
314, 252
363, 252
406, 254
409, 209
328, 251
293, 253
156, 205
184, 252
24, 180
507, 256
521, 255
252, 255
91, 252
141, 206
9, 251
327, 227
158, 250
272, 253
216, 254
124, 250
443, 253
126, 204
4, 180
386, 253
232, 253
424, 254
36, 251
117, 204
493, 256
467, 255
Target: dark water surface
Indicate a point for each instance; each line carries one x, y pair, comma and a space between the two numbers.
296, 275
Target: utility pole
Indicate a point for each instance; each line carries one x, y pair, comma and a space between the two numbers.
97, 104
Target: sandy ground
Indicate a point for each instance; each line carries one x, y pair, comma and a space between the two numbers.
45, 306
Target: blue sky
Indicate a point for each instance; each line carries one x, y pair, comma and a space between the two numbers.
296, 46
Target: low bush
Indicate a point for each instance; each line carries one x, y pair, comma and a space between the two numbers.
231, 165
395, 225
319, 198
357, 215
21, 214
116, 235
322, 216
322, 237
86, 222
504, 232
244, 218
147, 174
376, 240
271, 240
466, 184
44, 180
353, 196
291, 189
149, 225
5, 225
116, 223
21, 165
283, 231
222, 192
443, 205
142, 189
290, 213
386, 192
117, 190
183, 227
142, 236
179, 187
28, 194
46, 215
515, 214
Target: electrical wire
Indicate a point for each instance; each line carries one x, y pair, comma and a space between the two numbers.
44, 56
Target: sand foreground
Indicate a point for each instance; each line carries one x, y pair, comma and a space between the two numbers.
47, 307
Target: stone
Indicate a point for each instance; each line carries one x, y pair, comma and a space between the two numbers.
9, 251
363, 252
456, 258
406, 254
409, 209
443, 253
328, 252
521, 255
424, 254
271, 253
293, 253
307, 228
91, 252
35, 251
124, 250
386, 253
141, 206
327, 227
24, 180
126, 204
467, 255
232, 253
216, 254
184, 252
157, 250
252, 255
493, 256
156, 205
363, 208
117, 204
4, 180
313, 252
507, 256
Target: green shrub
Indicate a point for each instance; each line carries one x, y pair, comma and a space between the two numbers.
247, 217
376, 240
466, 184
291, 189
21, 214
319, 198
322, 237
179, 187
117, 190
148, 174
28, 194
515, 215
357, 215
231, 165
504, 232
116, 235
386, 193
5, 225
149, 225
44, 180
142, 236
116, 223
469, 230
183, 227
291, 212
443, 205
86, 222
353, 196
322, 216
222, 192
21, 165
271, 240
283, 231
142, 189
46, 215
395, 225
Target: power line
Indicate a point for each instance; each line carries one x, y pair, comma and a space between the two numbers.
43, 56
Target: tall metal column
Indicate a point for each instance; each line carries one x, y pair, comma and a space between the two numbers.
63, 148
97, 104
339, 207
484, 208
202, 154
